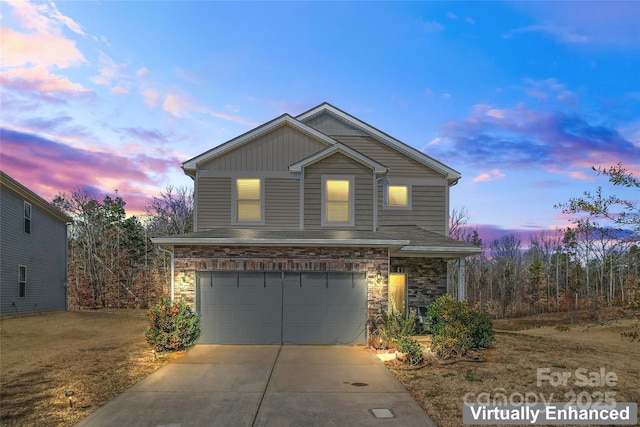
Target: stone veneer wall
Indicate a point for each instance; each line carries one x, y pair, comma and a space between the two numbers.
427, 278
370, 260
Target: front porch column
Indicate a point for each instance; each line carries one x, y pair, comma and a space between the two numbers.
461, 288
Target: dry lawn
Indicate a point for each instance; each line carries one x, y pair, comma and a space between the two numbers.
511, 367
97, 355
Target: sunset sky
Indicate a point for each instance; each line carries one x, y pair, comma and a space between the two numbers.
521, 97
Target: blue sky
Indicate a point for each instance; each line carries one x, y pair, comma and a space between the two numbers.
521, 97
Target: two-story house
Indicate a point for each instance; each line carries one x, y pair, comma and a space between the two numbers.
306, 226
33, 251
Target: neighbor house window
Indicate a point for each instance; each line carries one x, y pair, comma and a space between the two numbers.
337, 200
22, 281
398, 196
27, 218
248, 203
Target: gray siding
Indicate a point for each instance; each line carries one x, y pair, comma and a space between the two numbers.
213, 203
399, 164
328, 124
274, 151
428, 209
282, 209
338, 164
43, 252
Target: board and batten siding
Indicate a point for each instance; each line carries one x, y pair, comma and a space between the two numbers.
328, 123
274, 151
428, 209
338, 164
43, 253
214, 201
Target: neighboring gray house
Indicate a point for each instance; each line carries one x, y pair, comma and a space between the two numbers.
306, 226
33, 251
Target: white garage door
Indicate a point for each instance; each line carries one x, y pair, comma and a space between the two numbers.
282, 307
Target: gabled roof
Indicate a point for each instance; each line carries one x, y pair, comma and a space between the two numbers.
31, 197
190, 165
338, 148
451, 174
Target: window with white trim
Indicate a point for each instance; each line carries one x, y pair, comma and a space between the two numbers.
398, 196
248, 194
338, 200
22, 281
27, 217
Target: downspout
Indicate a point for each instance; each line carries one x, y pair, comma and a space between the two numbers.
66, 265
172, 273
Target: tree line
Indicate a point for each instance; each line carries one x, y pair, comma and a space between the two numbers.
113, 263
594, 262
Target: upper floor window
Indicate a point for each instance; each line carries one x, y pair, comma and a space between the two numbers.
398, 196
338, 200
27, 217
22, 281
248, 200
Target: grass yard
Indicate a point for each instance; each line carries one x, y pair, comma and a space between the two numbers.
97, 355
511, 366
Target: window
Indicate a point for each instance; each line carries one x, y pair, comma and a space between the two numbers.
27, 217
248, 205
22, 281
337, 200
398, 196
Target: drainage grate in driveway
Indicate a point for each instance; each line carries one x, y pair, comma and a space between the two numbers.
382, 413
359, 384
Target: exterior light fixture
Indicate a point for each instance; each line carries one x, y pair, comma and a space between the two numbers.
379, 276
69, 394
183, 276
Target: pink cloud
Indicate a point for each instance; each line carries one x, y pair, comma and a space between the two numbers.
178, 105
42, 17
48, 167
38, 79
150, 97
489, 176
20, 49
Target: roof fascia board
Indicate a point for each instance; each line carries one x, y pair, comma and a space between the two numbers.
437, 251
451, 174
338, 148
285, 119
277, 242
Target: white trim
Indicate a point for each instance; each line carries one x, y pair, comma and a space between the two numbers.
203, 173
301, 201
20, 266
191, 165
234, 202
450, 174
398, 183
323, 200
436, 252
204, 241
27, 217
338, 148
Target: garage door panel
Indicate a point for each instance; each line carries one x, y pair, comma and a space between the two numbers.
276, 307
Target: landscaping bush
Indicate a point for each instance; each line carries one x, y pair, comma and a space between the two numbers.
174, 326
457, 327
391, 326
411, 349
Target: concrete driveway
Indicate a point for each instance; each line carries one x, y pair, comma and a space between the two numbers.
214, 385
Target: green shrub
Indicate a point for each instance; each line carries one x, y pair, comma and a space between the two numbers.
391, 326
174, 326
412, 349
457, 327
